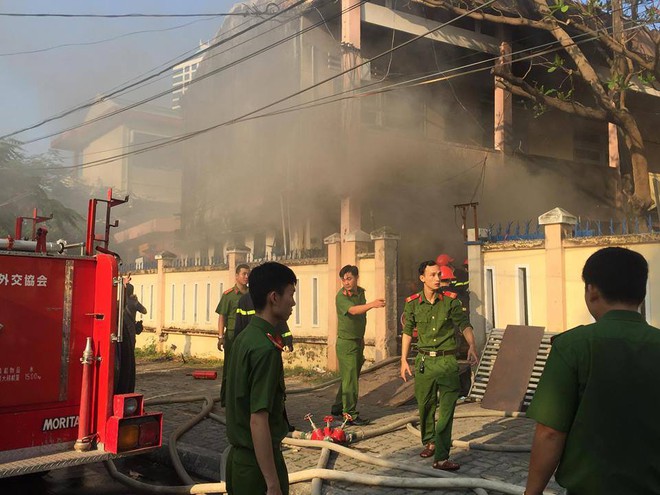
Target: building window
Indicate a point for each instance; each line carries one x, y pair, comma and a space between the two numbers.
490, 297
315, 301
297, 299
208, 302
173, 303
183, 303
590, 146
195, 305
522, 283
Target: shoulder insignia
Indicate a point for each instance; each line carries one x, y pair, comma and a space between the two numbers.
412, 298
277, 341
228, 291
453, 295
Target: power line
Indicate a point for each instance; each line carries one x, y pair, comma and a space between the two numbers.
123, 16
147, 78
190, 135
98, 42
251, 115
198, 78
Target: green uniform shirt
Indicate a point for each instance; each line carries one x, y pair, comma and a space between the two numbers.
255, 382
350, 326
228, 305
600, 386
435, 322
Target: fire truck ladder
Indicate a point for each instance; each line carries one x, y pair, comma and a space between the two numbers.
92, 238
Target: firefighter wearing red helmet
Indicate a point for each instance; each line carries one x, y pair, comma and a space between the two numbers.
444, 260
434, 312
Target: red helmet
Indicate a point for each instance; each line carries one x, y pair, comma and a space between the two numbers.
466, 262
443, 260
446, 273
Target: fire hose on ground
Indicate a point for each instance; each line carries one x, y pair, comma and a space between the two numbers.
318, 474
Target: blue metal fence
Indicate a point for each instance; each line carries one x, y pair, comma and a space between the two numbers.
526, 232
221, 261
529, 230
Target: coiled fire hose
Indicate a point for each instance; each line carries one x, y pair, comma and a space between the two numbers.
434, 478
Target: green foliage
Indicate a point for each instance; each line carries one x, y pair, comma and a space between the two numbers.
646, 78
617, 82
150, 352
312, 376
559, 6
557, 63
30, 182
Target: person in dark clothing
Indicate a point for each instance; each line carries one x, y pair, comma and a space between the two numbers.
125, 383
244, 314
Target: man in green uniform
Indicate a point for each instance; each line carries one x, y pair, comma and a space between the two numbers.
256, 391
597, 402
352, 310
227, 320
434, 313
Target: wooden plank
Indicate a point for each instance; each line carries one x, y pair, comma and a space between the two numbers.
512, 371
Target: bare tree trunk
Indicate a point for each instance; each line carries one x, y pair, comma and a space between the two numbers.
640, 167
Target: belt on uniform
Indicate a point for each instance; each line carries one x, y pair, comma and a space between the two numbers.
450, 352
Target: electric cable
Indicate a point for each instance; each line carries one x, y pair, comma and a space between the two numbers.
187, 136
251, 115
162, 71
194, 80
116, 16
98, 42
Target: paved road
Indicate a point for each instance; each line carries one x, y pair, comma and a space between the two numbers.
201, 447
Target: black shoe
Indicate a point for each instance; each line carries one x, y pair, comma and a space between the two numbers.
337, 414
358, 422
292, 428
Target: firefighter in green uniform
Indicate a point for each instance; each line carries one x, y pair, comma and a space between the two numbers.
227, 319
256, 391
434, 312
352, 310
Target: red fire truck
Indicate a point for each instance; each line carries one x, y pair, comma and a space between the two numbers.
60, 324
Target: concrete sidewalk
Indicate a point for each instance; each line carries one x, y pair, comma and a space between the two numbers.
200, 449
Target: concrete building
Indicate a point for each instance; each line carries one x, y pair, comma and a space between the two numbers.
401, 158
312, 176
152, 180
182, 74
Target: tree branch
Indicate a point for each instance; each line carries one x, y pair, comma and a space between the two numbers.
482, 16
522, 88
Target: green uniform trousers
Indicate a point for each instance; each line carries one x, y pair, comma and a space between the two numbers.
439, 384
350, 355
229, 337
244, 476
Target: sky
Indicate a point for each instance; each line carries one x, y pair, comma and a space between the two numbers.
39, 85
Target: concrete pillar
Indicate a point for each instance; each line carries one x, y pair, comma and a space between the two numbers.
386, 257
503, 100
236, 255
613, 141
352, 236
478, 314
350, 23
164, 260
557, 224
334, 265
